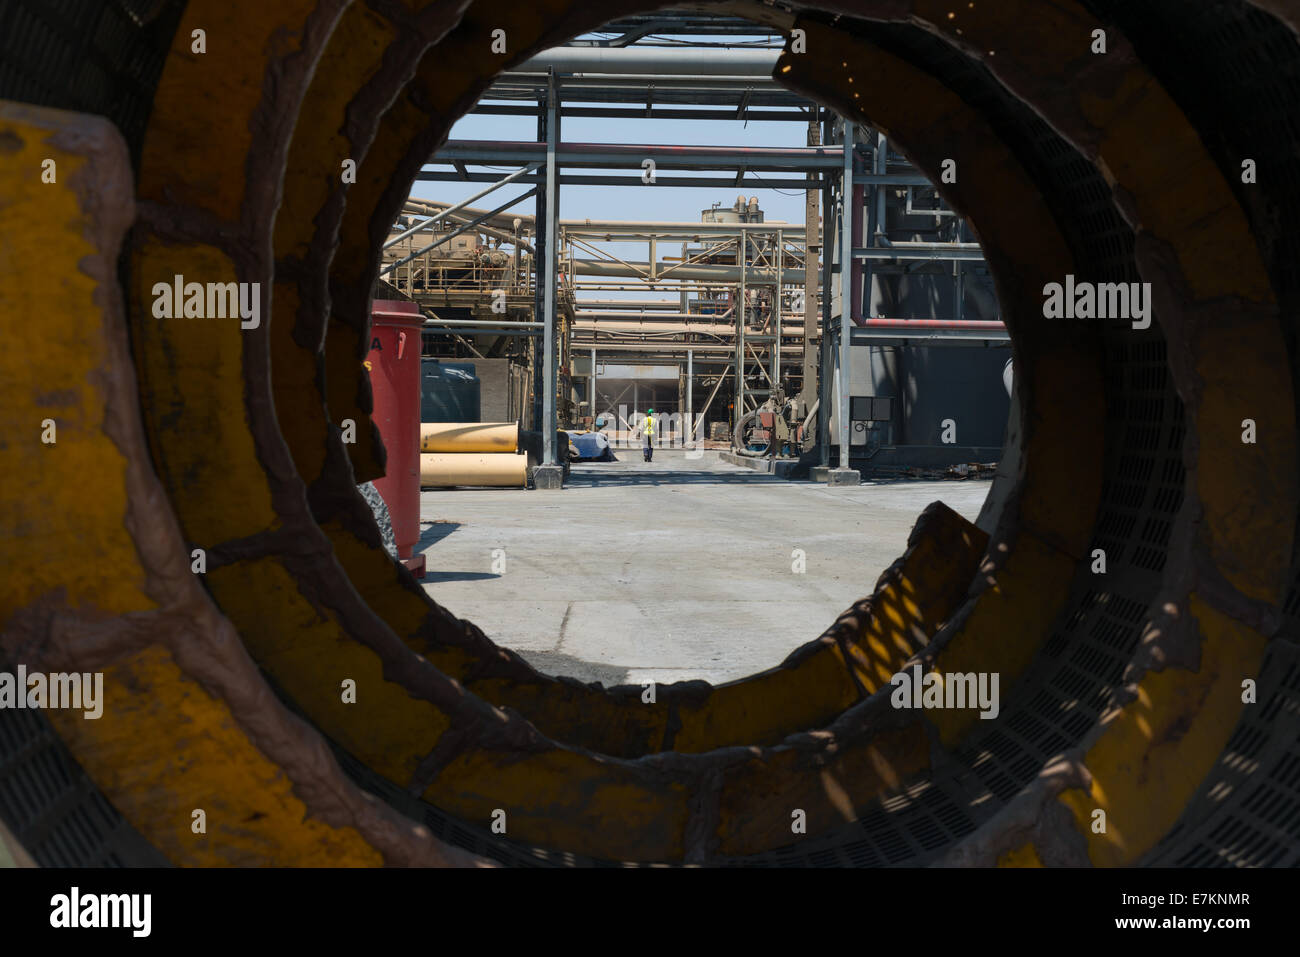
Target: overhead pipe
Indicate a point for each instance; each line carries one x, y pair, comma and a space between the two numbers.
595, 315
599, 155
603, 226
670, 346
438, 217
452, 235
468, 213
621, 61
704, 329
720, 274
484, 323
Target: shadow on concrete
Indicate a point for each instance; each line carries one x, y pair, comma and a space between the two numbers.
558, 664
433, 533
433, 577
586, 477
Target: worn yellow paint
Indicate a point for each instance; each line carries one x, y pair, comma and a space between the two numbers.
375, 577
1148, 149
568, 798
761, 710
295, 375
1024, 856
191, 377
1063, 437
556, 797
766, 707
52, 369
308, 655
314, 171
557, 800
314, 166
754, 711
166, 747
1008, 626
758, 797
1245, 374
1182, 198
1156, 751
199, 132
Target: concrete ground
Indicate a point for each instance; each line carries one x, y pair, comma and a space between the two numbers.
667, 571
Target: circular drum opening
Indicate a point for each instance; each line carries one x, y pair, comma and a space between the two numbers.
1122, 596
682, 551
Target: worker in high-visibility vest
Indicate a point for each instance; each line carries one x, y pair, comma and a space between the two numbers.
647, 435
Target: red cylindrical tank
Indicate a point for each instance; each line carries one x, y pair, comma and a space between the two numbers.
394, 363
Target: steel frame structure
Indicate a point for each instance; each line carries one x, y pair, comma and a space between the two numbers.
621, 77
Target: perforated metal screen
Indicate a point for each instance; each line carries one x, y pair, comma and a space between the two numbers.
54, 810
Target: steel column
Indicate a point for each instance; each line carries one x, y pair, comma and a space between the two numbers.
776, 314
824, 357
846, 296
690, 404
808, 383
552, 251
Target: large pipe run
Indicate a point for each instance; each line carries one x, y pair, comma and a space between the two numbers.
502, 469
469, 436
627, 60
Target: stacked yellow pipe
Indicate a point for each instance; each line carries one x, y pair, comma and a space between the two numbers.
471, 453
469, 436
473, 468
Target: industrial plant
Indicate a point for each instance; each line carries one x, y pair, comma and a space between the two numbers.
732, 434
727, 325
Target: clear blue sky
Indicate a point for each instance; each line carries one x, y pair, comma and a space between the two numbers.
641, 201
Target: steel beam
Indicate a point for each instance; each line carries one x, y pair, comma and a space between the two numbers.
483, 323
690, 395
846, 296
808, 383
969, 252
608, 155
658, 61
438, 217
552, 274
891, 179
577, 179
755, 114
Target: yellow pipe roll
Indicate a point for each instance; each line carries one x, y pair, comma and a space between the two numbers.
473, 468
469, 436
